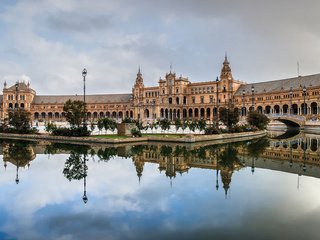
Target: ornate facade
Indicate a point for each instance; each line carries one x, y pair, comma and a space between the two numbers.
177, 97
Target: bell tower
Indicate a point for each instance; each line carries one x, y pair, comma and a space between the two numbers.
137, 94
226, 81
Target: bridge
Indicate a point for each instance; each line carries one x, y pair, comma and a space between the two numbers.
290, 120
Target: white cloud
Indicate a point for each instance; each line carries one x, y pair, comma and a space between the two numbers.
51, 41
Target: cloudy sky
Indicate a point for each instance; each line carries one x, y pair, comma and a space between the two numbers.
49, 42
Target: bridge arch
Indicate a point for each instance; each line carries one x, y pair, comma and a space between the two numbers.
291, 121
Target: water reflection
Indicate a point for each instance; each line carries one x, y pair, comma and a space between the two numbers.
299, 152
130, 195
19, 154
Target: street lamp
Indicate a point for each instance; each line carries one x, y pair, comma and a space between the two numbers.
84, 197
217, 100
291, 161
252, 91
217, 171
243, 95
304, 100
291, 94
304, 168
84, 74
16, 106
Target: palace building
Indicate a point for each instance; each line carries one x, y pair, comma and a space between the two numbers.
177, 97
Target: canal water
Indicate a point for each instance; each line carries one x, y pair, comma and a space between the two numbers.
262, 189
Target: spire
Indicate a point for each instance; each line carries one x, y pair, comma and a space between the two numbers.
226, 70
139, 72
5, 84
225, 58
139, 79
226, 175
170, 67
226, 188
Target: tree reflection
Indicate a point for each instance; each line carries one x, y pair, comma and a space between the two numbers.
75, 167
19, 153
257, 147
228, 158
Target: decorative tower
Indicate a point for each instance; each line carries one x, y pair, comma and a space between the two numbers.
137, 94
138, 163
226, 175
226, 81
139, 80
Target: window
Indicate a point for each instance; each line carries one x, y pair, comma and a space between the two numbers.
201, 99
193, 100
211, 99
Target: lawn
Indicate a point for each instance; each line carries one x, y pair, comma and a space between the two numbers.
109, 136
163, 135
143, 135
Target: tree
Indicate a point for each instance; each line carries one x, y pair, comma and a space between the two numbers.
229, 116
75, 112
202, 124
100, 125
178, 124
51, 127
92, 126
184, 125
19, 120
257, 119
193, 125
165, 124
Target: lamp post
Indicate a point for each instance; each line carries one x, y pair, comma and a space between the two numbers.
291, 161
252, 91
304, 168
217, 171
84, 74
217, 100
291, 94
304, 100
84, 197
243, 95
16, 105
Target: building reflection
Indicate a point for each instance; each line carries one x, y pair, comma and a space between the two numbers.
299, 155
222, 159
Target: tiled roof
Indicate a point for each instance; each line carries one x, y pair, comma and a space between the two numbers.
281, 85
103, 98
21, 86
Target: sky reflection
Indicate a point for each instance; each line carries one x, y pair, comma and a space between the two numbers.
46, 205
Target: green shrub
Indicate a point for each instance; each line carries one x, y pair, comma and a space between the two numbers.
128, 120
135, 132
211, 130
257, 119
50, 127
71, 132
19, 131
